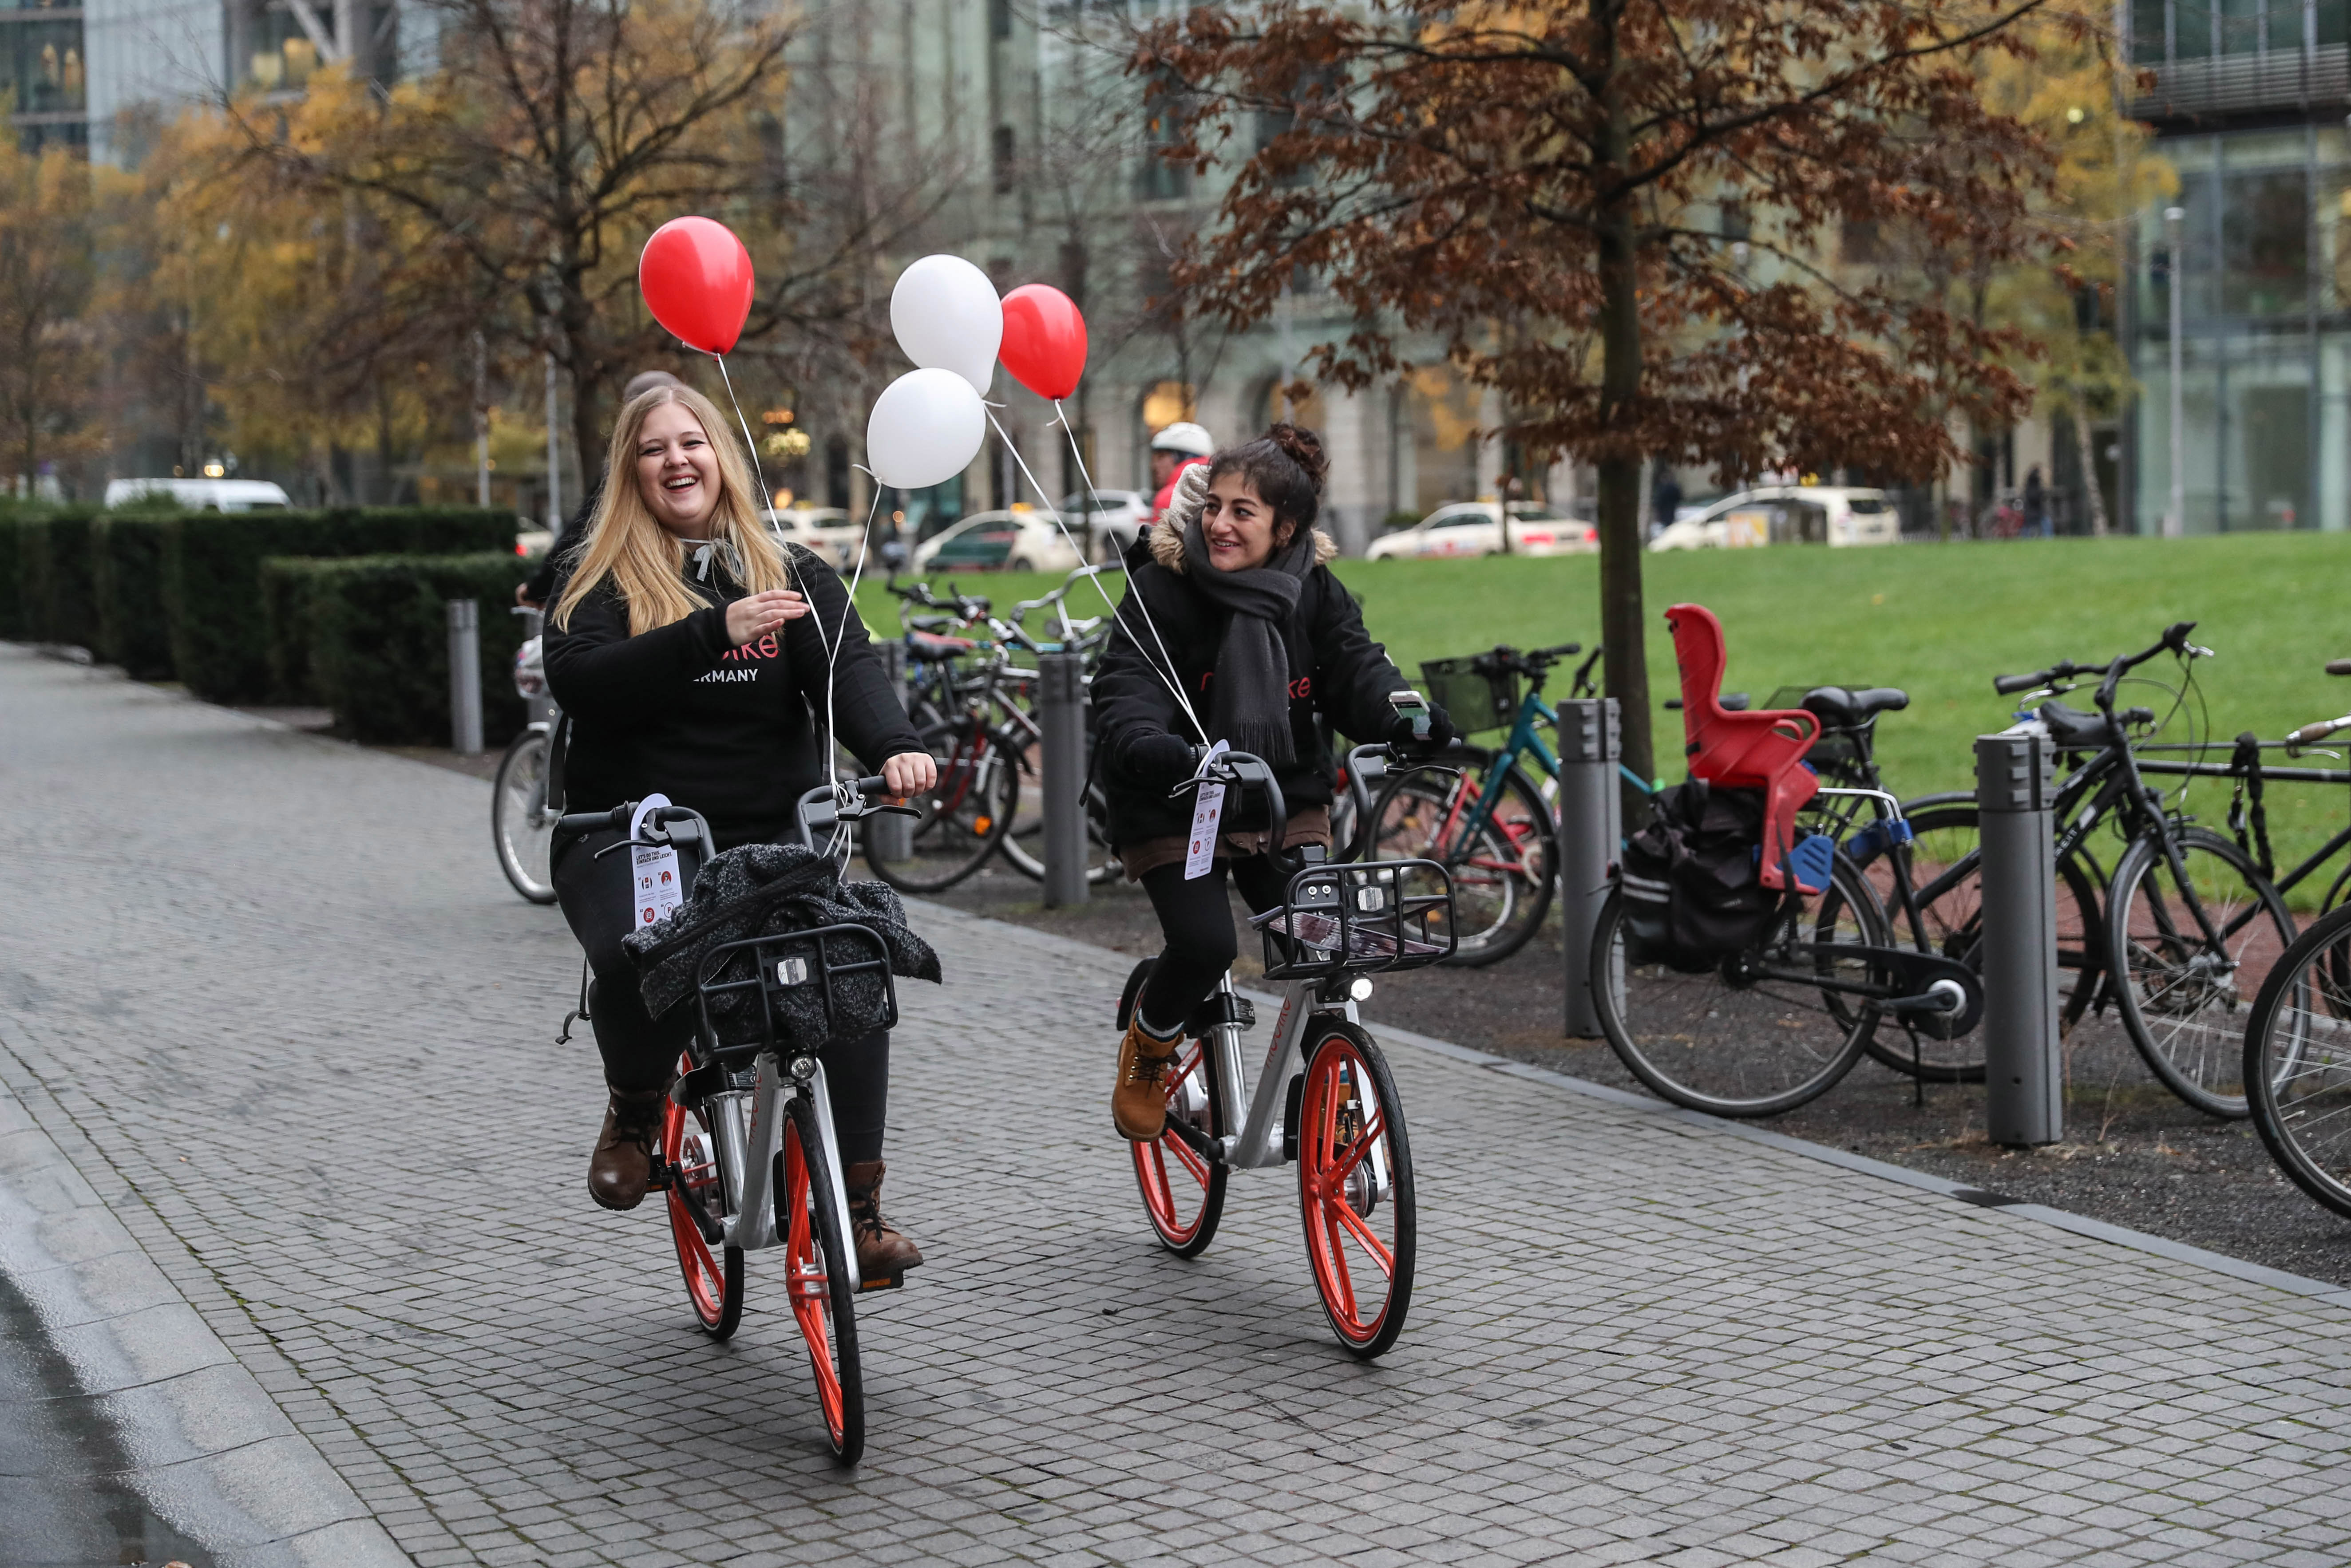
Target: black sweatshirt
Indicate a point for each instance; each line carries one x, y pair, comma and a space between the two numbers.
730, 732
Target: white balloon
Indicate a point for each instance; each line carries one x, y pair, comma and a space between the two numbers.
947, 316
925, 429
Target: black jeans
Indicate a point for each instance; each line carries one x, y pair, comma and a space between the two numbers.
1198, 921
640, 1050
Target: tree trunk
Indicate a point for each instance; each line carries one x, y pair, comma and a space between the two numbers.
1622, 627
2089, 469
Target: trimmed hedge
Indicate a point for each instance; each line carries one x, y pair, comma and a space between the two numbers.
11, 615
212, 576
53, 576
126, 573
379, 641
287, 592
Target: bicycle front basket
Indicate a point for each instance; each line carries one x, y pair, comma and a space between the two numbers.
1359, 919
1476, 700
796, 990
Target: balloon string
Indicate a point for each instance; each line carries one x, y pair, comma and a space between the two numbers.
1170, 677
751, 446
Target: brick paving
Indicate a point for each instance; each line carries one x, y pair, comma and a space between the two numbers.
274, 996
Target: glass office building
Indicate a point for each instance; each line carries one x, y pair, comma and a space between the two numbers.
2249, 105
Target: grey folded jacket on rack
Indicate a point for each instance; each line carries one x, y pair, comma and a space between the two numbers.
776, 890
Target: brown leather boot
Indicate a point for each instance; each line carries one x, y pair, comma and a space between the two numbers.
1138, 1102
623, 1161
883, 1252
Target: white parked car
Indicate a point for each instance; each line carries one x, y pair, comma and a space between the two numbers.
1787, 514
202, 495
1474, 528
827, 531
1108, 520
1018, 541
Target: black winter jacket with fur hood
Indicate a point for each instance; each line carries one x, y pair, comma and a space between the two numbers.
1336, 672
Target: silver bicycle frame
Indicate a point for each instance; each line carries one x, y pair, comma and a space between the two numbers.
747, 1157
1259, 1142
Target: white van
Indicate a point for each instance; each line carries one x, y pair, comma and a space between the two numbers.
202, 495
1787, 514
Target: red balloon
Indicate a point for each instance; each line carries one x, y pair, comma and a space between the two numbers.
695, 276
1044, 340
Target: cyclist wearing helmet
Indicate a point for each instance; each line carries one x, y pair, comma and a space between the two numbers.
690, 650
1263, 640
1180, 446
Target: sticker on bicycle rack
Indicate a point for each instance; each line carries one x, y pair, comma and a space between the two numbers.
660, 881
1207, 815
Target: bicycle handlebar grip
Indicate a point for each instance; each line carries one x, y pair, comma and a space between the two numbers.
2338, 666
616, 818
2309, 733
2175, 636
2008, 685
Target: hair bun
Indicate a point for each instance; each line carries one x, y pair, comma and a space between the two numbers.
1303, 448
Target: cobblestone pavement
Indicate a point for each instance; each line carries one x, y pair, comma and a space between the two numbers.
273, 994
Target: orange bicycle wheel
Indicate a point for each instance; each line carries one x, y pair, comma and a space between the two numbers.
1355, 1188
817, 1260
714, 1281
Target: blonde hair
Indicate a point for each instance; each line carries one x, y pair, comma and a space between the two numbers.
644, 561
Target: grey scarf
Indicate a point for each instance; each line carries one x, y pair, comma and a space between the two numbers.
1249, 701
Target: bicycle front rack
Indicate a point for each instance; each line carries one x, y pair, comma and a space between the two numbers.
1359, 919
782, 964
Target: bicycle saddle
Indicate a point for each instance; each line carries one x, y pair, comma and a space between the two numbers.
1843, 708
2072, 730
930, 645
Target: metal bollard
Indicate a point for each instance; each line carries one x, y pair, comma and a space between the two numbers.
2016, 779
465, 676
1591, 831
1061, 713
892, 836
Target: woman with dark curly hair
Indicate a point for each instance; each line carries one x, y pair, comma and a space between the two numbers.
1229, 597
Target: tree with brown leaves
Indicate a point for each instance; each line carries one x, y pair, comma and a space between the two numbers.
1627, 216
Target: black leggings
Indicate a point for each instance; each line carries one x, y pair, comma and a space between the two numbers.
640, 1050
1198, 921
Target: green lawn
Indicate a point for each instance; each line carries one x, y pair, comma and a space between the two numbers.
1939, 621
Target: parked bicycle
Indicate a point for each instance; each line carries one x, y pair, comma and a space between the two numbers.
526, 795
1756, 992
1323, 1096
2189, 927
747, 1154
1491, 825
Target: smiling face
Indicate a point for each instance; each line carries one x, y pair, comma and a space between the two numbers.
1239, 528
677, 471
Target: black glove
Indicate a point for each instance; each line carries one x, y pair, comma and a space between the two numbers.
1161, 761
1439, 736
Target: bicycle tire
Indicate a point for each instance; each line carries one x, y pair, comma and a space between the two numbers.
714, 1284
1501, 870
1194, 1091
2191, 1040
1692, 1039
1951, 910
965, 817
816, 1254
1101, 860
1339, 1199
517, 824
2298, 1078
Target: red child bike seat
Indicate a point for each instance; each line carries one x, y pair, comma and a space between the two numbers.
1752, 751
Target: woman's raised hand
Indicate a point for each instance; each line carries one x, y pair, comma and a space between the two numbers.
753, 617
910, 773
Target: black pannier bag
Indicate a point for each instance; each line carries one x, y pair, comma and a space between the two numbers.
1692, 894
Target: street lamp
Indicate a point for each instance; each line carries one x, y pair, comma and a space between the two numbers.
2175, 521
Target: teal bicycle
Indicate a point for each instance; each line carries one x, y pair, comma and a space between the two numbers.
1493, 828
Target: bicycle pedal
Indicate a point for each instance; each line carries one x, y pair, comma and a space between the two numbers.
891, 1282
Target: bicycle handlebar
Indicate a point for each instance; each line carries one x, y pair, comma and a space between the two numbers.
2173, 640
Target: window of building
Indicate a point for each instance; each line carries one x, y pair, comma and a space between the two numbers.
1157, 180
2264, 243
1004, 150
44, 67
999, 18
